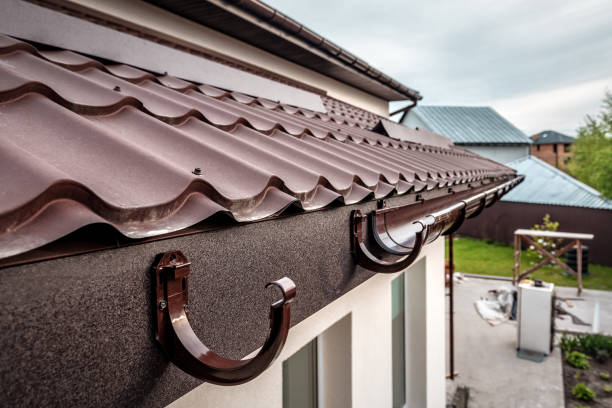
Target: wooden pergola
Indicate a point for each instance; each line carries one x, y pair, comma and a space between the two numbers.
528, 235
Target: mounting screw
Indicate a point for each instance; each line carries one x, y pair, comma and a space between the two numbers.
117, 88
162, 304
197, 171
186, 308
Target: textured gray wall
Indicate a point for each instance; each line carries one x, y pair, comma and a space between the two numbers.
78, 331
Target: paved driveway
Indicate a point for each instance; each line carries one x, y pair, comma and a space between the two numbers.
485, 358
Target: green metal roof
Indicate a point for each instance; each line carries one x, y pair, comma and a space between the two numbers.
470, 124
551, 137
545, 184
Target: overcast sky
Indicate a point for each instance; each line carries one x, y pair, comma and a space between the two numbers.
543, 64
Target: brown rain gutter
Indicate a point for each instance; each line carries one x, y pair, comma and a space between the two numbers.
397, 232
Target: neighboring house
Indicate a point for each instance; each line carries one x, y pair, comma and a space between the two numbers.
548, 190
479, 129
552, 147
577, 207
161, 165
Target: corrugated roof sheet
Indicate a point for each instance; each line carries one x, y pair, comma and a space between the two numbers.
84, 142
551, 137
352, 114
545, 184
470, 124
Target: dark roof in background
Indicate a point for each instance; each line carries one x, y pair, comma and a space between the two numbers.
551, 137
266, 28
103, 143
470, 124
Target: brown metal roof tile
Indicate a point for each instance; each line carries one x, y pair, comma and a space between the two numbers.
84, 142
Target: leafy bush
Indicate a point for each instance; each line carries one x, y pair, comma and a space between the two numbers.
578, 360
592, 151
595, 345
604, 375
607, 388
583, 393
568, 343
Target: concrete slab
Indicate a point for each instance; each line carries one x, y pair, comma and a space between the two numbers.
485, 358
594, 307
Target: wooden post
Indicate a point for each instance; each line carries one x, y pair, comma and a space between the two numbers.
579, 260
451, 320
517, 259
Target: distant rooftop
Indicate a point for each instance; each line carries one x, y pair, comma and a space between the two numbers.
470, 124
551, 137
545, 184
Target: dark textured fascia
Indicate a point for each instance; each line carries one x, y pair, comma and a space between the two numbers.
80, 329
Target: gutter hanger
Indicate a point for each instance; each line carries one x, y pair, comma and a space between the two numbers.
396, 234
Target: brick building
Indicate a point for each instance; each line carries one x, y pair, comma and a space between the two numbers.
552, 147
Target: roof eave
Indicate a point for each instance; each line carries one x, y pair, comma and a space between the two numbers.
268, 29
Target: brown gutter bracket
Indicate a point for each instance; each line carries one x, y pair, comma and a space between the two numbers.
395, 231
183, 347
366, 259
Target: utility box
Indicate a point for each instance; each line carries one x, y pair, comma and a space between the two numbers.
535, 316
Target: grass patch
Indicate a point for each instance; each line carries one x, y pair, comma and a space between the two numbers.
494, 258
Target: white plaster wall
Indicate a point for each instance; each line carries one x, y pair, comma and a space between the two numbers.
369, 306
334, 359
186, 32
501, 154
416, 335
435, 304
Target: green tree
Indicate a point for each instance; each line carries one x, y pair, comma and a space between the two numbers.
592, 152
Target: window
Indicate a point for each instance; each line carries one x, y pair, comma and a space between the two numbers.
566, 148
538, 147
319, 374
300, 378
555, 148
398, 341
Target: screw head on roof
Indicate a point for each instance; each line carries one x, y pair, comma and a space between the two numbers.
117, 88
197, 171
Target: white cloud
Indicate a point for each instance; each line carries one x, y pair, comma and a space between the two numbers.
478, 52
560, 109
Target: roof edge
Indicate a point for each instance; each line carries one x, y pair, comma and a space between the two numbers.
267, 19
561, 174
